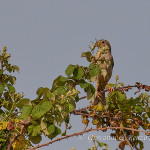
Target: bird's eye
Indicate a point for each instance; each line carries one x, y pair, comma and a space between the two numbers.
103, 42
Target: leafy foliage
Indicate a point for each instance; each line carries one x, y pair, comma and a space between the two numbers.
23, 121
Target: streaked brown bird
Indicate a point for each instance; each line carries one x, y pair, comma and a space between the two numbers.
105, 60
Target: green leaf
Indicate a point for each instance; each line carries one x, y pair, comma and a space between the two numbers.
2, 140
69, 70
23, 102
94, 69
9, 68
78, 73
72, 105
83, 84
64, 133
42, 91
38, 91
62, 79
95, 121
107, 147
122, 84
139, 109
2, 87
51, 128
34, 130
35, 139
4, 49
66, 119
59, 116
12, 80
66, 107
77, 98
141, 144
88, 55
11, 88
40, 109
61, 90
92, 88
55, 133
7, 55
91, 65
100, 144
49, 95
44, 127
135, 101
16, 68
145, 115
120, 96
90, 91
25, 112
59, 81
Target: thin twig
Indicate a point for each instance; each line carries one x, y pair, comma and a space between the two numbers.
85, 131
11, 143
80, 112
1, 62
126, 88
22, 123
127, 140
82, 97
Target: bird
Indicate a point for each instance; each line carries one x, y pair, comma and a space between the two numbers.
105, 62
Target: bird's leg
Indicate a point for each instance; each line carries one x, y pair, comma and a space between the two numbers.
110, 89
98, 94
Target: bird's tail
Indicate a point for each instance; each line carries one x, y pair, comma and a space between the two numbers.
101, 99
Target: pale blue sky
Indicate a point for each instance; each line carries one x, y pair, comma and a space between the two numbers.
44, 36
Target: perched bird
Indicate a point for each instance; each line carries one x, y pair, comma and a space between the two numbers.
105, 61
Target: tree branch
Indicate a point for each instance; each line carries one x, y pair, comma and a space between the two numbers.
138, 85
22, 123
83, 112
11, 143
127, 140
85, 131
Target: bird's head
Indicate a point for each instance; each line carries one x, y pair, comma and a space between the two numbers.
104, 45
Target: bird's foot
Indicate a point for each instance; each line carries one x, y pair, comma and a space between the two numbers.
109, 88
99, 95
